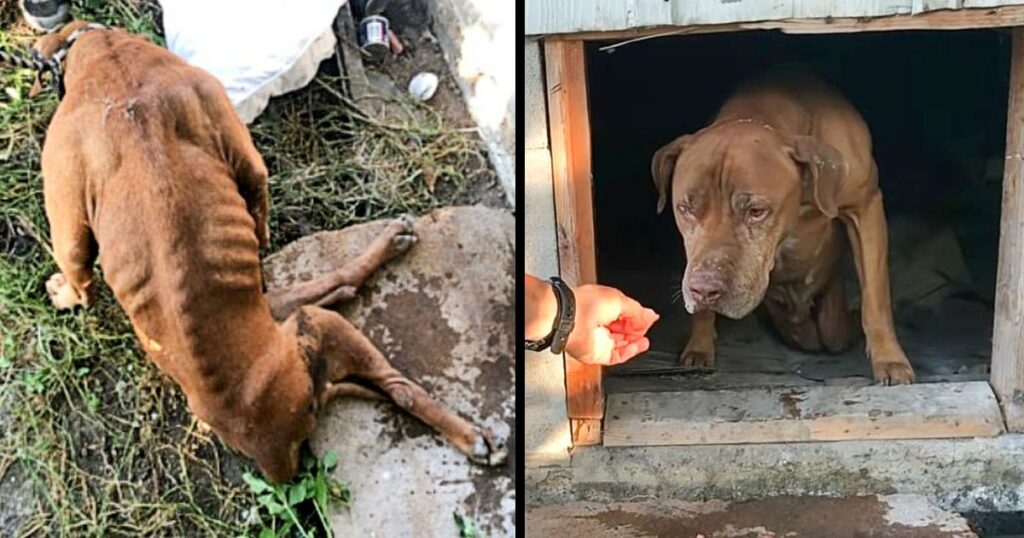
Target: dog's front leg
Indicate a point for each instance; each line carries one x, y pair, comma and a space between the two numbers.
398, 237
347, 355
870, 243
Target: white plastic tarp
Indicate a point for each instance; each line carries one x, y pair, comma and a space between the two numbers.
256, 48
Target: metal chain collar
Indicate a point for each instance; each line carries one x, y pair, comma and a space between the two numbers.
54, 64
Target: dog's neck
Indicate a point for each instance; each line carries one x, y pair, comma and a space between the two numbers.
227, 400
55, 63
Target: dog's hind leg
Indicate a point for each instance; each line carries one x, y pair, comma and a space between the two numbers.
342, 284
74, 247
832, 316
796, 327
243, 159
347, 353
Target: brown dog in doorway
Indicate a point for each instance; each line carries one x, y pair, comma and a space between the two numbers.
148, 169
758, 197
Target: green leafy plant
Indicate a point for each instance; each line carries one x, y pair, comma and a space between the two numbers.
283, 509
467, 529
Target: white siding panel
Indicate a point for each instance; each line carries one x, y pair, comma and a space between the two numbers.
922, 6
989, 3
648, 13
568, 16
686, 13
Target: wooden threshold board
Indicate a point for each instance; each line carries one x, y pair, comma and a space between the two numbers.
794, 414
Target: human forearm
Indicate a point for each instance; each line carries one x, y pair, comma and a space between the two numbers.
541, 308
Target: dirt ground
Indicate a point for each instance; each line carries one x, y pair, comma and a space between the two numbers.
412, 22
93, 438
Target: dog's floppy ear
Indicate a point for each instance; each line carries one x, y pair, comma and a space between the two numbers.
46, 46
37, 87
822, 171
309, 336
664, 163
308, 332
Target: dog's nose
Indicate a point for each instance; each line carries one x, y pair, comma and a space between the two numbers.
706, 292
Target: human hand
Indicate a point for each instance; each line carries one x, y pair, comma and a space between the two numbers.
610, 326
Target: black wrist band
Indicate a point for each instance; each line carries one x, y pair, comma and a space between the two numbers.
564, 322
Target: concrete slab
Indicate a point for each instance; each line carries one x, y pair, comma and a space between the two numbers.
963, 475
445, 314
893, 516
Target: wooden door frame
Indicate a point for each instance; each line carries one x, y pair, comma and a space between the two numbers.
569, 132
1008, 324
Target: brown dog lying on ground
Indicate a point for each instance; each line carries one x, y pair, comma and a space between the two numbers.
147, 167
758, 198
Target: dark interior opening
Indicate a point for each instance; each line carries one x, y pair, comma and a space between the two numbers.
936, 106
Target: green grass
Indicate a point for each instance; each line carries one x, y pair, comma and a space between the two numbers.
467, 528
104, 439
333, 166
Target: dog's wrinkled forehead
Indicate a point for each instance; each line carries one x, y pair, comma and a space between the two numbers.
745, 157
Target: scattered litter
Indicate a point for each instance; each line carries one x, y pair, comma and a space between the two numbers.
373, 38
423, 86
397, 48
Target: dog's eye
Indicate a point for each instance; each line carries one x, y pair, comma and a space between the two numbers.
684, 209
757, 213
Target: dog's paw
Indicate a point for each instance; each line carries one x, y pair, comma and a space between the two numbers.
62, 294
697, 357
892, 372
402, 225
404, 235
487, 451
403, 242
405, 223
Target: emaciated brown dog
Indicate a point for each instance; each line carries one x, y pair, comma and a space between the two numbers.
147, 167
761, 197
